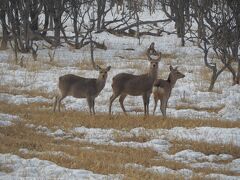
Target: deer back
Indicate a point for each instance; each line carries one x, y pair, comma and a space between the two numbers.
80, 87
136, 84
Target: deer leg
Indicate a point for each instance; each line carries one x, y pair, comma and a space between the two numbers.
163, 107
155, 105
145, 103
112, 98
121, 99
89, 101
148, 98
59, 101
93, 106
55, 103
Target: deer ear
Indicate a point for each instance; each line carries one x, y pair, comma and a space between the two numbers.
108, 68
170, 67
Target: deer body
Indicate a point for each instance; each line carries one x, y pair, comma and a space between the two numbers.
162, 89
135, 85
132, 86
80, 87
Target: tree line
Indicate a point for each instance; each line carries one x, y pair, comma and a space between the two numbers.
213, 25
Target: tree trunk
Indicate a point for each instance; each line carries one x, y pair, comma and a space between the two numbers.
4, 29
34, 17
100, 13
57, 30
237, 81
213, 79
46, 21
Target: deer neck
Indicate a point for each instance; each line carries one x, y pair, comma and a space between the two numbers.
100, 84
153, 74
171, 81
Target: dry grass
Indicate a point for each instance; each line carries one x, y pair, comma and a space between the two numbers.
104, 159
205, 147
208, 149
15, 90
30, 65
101, 159
205, 74
34, 113
140, 138
209, 110
174, 165
5, 169
87, 64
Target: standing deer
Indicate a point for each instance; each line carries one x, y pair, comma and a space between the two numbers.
162, 89
135, 85
80, 87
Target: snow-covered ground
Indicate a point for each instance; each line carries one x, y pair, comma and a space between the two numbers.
189, 100
41, 169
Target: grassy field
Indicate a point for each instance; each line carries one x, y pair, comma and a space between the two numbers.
104, 159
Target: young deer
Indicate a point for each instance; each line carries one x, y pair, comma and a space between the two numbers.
162, 89
80, 87
135, 85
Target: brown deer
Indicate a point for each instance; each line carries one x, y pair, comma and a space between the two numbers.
135, 85
162, 89
80, 87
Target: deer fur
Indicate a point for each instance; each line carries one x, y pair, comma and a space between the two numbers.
124, 84
162, 89
80, 87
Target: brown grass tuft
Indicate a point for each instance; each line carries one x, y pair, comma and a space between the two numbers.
204, 147
87, 65
14, 90
5, 169
193, 107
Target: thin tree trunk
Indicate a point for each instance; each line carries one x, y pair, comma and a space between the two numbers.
4, 29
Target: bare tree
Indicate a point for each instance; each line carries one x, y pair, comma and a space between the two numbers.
178, 11
218, 31
3, 9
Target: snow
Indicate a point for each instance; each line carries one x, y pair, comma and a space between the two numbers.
42, 169
208, 134
7, 119
22, 99
190, 156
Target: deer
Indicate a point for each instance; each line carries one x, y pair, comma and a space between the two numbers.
124, 84
80, 87
162, 89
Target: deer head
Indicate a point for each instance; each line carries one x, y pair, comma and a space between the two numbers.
154, 61
175, 74
103, 72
